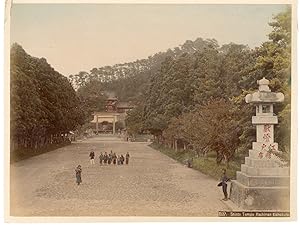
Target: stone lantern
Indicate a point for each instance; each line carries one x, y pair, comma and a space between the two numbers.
263, 183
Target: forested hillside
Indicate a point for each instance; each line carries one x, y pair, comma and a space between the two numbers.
192, 96
197, 99
129, 80
44, 104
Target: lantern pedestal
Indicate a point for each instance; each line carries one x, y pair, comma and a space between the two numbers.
263, 182
260, 198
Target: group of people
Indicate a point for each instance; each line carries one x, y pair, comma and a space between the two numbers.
111, 158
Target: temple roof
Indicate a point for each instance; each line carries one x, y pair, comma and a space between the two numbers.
105, 113
124, 105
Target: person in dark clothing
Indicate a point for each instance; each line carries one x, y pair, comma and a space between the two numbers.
118, 160
114, 158
127, 158
122, 159
105, 158
101, 158
92, 157
224, 179
109, 159
78, 171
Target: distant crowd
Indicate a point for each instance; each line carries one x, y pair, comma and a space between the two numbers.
111, 158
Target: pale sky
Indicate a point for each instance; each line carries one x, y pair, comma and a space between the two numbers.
77, 37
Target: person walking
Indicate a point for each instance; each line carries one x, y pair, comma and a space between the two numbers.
127, 158
101, 158
114, 158
122, 159
92, 158
78, 171
224, 179
109, 158
105, 158
119, 160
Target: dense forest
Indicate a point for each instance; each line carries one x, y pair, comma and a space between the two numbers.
192, 97
44, 104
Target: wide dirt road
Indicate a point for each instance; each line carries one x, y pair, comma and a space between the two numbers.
151, 185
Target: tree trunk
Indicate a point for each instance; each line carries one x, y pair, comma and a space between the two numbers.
226, 161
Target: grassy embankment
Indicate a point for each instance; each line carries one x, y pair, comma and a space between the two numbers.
21, 154
206, 165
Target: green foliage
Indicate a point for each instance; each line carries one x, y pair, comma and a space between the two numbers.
134, 120
210, 127
92, 99
43, 102
206, 165
193, 95
182, 97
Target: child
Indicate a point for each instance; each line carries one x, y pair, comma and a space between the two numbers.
78, 171
224, 179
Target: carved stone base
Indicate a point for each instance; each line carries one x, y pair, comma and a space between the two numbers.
261, 192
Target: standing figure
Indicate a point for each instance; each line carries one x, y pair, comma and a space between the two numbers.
119, 160
78, 171
114, 158
122, 159
109, 158
127, 158
105, 157
224, 179
101, 158
92, 157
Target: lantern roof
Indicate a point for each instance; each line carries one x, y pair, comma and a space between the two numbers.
264, 94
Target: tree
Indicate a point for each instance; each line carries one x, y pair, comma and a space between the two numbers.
213, 127
92, 99
134, 121
43, 102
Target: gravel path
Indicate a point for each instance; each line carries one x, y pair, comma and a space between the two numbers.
151, 185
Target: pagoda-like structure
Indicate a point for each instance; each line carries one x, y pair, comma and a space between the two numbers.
115, 111
263, 183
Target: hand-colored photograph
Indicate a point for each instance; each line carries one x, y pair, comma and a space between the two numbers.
151, 110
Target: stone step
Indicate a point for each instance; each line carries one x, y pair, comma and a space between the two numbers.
261, 163
275, 171
260, 198
262, 181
